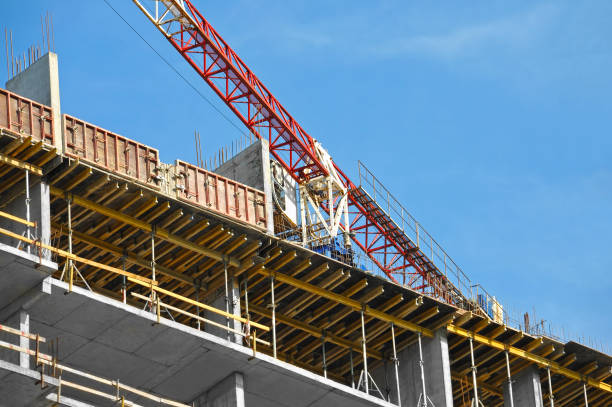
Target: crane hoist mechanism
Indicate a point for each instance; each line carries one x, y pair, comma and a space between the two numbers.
331, 205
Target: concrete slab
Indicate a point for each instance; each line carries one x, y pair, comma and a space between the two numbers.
20, 272
113, 340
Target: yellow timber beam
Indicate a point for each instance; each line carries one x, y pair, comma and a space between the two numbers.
13, 162
63, 253
314, 331
119, 252
349, 302
542, 361
142, 225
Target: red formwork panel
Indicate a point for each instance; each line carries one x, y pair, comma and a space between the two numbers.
110, 151
221, 194
26, 117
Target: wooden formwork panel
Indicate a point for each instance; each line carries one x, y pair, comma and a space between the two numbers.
221, 194
27, 117
110, 151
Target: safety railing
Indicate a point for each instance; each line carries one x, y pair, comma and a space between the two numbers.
154, 302
411, 228
60, 371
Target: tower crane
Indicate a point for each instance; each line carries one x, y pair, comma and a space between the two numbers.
342, 207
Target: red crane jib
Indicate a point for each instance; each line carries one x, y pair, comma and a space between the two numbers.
231, 79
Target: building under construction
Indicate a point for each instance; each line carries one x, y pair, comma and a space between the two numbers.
263, 277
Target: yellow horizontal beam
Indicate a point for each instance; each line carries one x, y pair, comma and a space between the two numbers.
17, 219
349, 302
130, 257
314, 331
142, 225
542, 361
13, 162
76, 258
21, 333
202, 305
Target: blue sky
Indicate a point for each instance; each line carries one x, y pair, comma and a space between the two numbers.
491, 123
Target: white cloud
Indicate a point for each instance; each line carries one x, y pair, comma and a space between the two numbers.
518, 31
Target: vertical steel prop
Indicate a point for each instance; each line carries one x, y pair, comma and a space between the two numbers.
227, 301
474, 373
70, 265
395, 363
586, 399
352, 368
510, 394
323, 353
422, 368
273, 316
153, 293
365, 355
27, 205
551, 396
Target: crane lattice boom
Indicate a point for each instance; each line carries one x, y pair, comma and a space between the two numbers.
371, 229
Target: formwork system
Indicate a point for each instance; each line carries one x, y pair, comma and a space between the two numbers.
140, 232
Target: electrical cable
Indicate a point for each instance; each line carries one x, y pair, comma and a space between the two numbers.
192, 86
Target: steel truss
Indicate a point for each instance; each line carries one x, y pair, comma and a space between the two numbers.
231, 79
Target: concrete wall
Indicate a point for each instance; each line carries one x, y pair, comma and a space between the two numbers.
40, 82
39, 213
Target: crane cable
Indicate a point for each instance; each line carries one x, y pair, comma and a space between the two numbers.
192, 86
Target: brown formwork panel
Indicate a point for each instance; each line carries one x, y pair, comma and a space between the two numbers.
221, 194
27, 117
110, 151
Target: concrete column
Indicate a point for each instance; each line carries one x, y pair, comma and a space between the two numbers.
526, 389
252, 167
40, 82
229, 392
24, 326
234, 307
437, 373
39, 213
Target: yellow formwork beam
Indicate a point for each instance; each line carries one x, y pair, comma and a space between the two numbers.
542, 361
14, 162
349, 302
202, 305
142, 225
76, 258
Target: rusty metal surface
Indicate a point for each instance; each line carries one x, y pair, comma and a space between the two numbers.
27, 117
110, 151
223, 195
